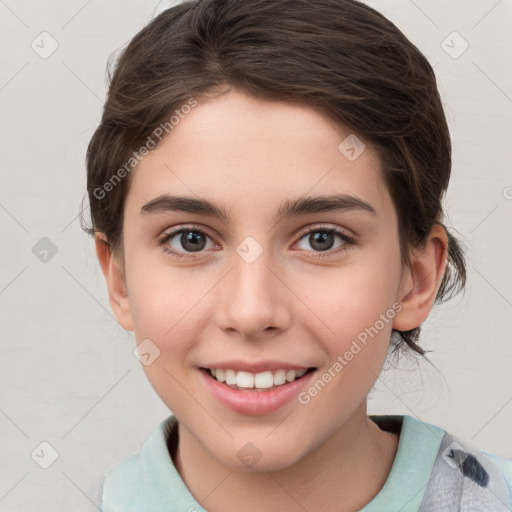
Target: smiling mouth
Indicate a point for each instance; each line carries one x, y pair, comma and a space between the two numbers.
263, 381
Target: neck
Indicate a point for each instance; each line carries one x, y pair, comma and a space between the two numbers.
343, 474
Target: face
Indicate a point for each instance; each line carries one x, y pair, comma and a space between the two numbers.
267, 288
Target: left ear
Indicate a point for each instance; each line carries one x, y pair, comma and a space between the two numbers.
421, 281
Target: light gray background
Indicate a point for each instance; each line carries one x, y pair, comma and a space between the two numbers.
67, 369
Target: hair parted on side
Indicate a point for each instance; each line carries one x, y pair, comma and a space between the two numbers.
339, 57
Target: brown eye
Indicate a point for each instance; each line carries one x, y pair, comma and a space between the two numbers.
183, 241
322, 239
192, 240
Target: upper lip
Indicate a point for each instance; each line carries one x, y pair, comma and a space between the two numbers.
255, 366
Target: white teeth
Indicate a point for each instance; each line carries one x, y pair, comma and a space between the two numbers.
230, 377
245, 380
263, 380
290, 375
260, 381
279, 377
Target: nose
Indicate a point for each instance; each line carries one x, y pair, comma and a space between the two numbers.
254, 301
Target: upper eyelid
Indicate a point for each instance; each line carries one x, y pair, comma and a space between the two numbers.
324, 227
187, 227
308, 227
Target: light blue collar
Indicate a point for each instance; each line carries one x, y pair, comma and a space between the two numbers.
410, 473
149, 481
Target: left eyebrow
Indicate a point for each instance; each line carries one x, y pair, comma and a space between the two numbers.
290, 208
306, 205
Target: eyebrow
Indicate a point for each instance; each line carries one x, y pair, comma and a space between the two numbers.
299, 206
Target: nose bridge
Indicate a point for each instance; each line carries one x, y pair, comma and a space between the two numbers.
252, 280
252, 298
251, 276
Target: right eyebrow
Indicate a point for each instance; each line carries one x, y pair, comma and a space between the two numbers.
168, 202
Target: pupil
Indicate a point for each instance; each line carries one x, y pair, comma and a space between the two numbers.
195, 240
323, 239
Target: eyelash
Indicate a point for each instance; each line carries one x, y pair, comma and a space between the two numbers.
348, 241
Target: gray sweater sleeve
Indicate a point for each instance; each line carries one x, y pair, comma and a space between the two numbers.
465, 479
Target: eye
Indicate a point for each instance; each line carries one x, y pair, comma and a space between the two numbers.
182, 242
322, 239
190, 240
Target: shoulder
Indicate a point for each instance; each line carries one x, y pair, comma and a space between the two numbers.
145, 480
465, 478
504, 464
119, 483
505, 467
434, 471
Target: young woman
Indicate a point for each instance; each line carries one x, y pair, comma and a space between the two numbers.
265, 189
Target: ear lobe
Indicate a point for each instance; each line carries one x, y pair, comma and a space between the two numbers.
114, 276
421, 282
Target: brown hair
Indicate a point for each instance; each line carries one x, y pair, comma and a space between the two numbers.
340, 57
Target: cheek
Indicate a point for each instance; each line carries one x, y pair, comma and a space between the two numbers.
357, 307
352, 298
169, 307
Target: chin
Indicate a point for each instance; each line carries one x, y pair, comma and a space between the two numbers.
259, 457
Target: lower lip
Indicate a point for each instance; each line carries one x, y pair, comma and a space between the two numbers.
255, 403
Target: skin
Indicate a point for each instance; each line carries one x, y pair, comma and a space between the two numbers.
250, 155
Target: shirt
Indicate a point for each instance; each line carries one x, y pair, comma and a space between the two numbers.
432, 472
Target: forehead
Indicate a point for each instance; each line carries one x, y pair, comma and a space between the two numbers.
247, 152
